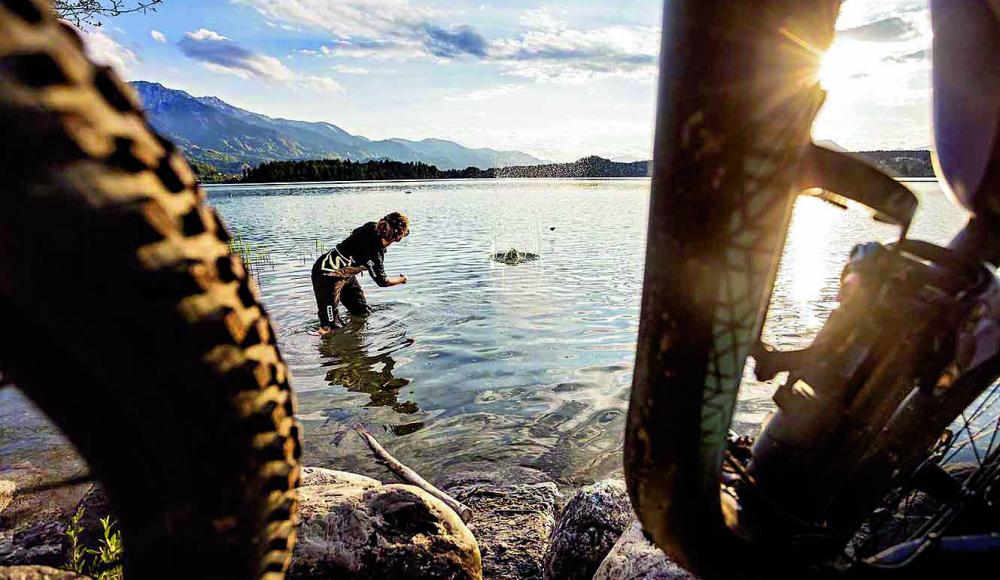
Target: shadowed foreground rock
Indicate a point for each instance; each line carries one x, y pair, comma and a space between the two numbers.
588, 528
354, 527
635, 558
36, 573
512, 521
32, 524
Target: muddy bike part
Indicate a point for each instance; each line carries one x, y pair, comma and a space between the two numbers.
128, 322
904, 355
737, 96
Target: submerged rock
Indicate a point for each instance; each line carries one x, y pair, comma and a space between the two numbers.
354, 527
513, 256
588, 528
635, 558
511, 521
37, 573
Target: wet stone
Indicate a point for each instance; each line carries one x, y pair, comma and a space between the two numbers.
588, 528
511, 521
354, 527
633, 557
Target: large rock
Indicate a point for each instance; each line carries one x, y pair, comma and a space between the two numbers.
37, 543
635, 558
32, 525
588, 528
37, 573
512, 522
354, 527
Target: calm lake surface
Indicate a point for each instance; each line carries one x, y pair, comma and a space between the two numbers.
476, 362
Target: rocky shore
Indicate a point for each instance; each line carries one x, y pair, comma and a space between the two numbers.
354, 526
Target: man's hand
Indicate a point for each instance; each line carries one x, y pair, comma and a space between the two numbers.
397, 280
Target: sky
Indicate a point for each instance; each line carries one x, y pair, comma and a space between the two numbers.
559, 80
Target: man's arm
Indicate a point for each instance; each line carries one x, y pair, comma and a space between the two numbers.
377, 271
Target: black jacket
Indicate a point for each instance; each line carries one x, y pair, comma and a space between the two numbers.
362, 250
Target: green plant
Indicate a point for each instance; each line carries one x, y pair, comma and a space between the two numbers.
77, 552
253, 257
104, 560
108, 555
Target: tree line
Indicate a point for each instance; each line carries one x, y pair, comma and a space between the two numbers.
346, 170
895, 163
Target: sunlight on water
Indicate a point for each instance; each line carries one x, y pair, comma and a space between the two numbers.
806, 243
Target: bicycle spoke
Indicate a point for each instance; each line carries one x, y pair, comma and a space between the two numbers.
993, 436
972, 439
996, 426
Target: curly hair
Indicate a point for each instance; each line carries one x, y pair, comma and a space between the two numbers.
394, 226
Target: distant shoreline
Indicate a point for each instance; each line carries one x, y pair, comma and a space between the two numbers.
222, 185
903, 164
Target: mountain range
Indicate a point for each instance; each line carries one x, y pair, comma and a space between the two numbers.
214, 133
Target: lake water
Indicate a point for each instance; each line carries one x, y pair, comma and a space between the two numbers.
477, 362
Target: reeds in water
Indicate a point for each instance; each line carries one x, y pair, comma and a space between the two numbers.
254, 257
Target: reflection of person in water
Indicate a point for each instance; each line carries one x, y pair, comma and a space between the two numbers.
358, 372
335, 273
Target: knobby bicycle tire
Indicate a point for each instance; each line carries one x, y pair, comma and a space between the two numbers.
128, 322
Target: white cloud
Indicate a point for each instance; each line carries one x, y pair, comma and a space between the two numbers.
158, 36
549, 49
205, 34
221, 54
486, 94
379, 50
854, 13
346, 18
318, 83
350, 70
106, 50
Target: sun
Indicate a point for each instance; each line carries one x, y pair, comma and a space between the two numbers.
844, 62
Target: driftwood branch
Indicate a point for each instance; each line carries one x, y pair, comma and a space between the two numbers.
412, 477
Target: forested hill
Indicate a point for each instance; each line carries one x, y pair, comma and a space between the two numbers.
340, 170
900, 163
895, 163
587, 167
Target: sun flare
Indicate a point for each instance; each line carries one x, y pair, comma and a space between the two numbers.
842, 64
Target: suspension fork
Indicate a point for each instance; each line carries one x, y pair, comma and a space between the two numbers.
737, 97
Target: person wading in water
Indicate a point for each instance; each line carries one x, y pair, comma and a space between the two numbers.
335, 273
